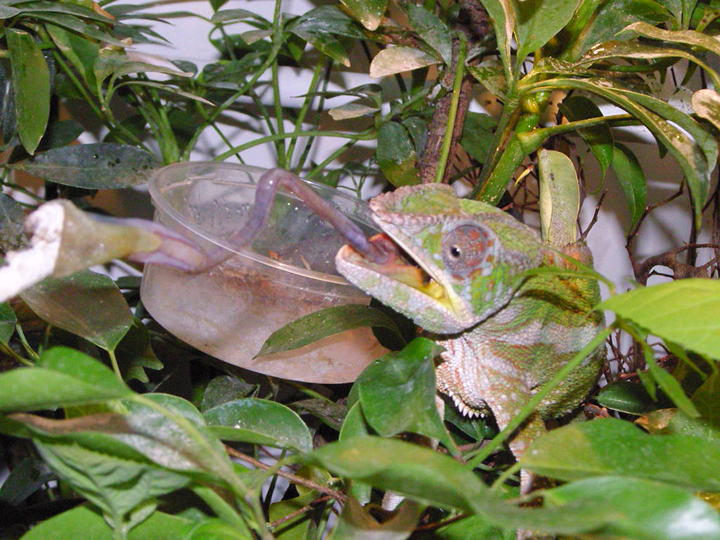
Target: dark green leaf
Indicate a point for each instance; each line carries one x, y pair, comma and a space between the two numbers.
613, 447
686, 311
707, 399
86, 304
396, 155
81, 27
135, 354
331, 413
92, 166
223, 389
598, 138
321, 27
397, 392
477, 135
432, 31
259, 421
24, 479
82, 53
158, 526
63, 377
629, 173
216, 529
324, 323
627, 397
12, 227
7, 322
538, 22
368, 12
644, 510
356, 426
31, 82
296, 525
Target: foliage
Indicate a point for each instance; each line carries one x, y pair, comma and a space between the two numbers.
108, 408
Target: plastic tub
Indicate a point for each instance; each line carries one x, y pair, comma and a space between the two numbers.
289, 271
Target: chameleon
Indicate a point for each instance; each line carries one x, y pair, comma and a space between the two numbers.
458, 268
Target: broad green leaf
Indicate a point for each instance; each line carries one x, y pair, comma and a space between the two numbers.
706, 104
473, 527
92, 166
675, 422
324, 323
368, 12
644, 510
356, 426
31, 82
396, 155
686, 311
627, 397
321, 27
432, 31
598, 138
397, 393
86, 304
216, 529
356, 523
332, 414
559, 198
223, 389
399, 59
538, 21
12, 224
631, 177
707, 399
477, 135
158, 526
63, 377
608, 446
259, 421
7, 322
502, 16
135, 354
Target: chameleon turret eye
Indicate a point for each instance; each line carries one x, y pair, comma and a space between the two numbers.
464, 249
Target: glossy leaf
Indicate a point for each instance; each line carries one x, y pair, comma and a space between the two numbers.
396, 155
321, 27
613, 447
368, 12
706, 104
12, 224
223, 389
598, 138
92, 166
397, 392
432, 31
7, 322
159, 526
644, 510
502, 16
675, 422
627, 397
259, 421
538, 22
324, 323
686, 311
63, 377
31, 82
86, 304
399, 59
631, 177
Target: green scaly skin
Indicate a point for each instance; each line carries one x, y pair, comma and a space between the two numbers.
504, 333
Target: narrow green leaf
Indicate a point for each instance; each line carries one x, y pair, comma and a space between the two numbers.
324, 323
538, 22
400, 59
502, 16
92, 166
613, 447
355, 425
135, 354
368, 12
685, 37
86, 304
643, 510
627, 397
233, 15
686, 311
31, 82
707, 399
322, 26
259, 421
598, 138
432, 31
7, 322
631, 177
63, 377
396, 155
559, 198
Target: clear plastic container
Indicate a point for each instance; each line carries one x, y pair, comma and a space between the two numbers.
289, 271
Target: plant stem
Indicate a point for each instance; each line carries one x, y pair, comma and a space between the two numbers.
277, 98
115, 366
307, 103
221, 508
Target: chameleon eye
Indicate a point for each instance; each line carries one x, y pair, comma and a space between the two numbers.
464, 249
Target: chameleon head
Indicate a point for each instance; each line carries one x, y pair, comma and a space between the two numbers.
451, 262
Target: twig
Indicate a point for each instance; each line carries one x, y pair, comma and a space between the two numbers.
275, 524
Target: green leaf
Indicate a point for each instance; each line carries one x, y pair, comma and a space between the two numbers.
473, 527
627, 397
598, 138
539, 21
86, 304
502, 15
675, 422
8, 320
259, 421
158, 526
613, 447
135, 354
223, 389
707, 399
31, 82
397, 393
24, 479
643, 510
399, 59
477, 135
356, 426
321, 26
631, 177
490, 74
63, 377
92, 166
685, 37
559, 198
686, 311
432, 31
324, 323
12, 224
299, 526
396, 155
368, 12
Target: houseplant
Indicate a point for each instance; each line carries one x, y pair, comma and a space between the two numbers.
130, 453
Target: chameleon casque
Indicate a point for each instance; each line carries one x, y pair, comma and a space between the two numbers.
504, 333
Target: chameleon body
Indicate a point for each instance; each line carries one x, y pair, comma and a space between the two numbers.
504, 333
